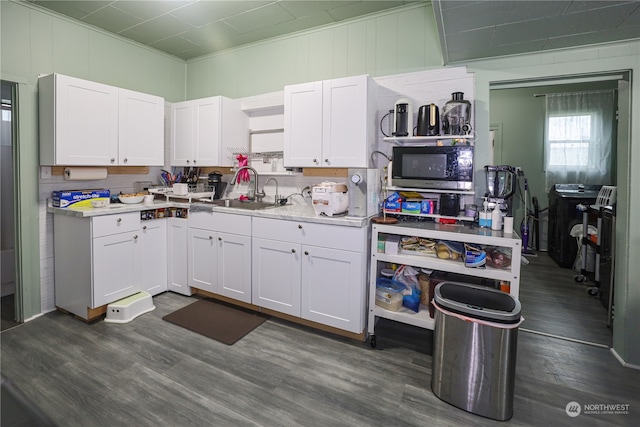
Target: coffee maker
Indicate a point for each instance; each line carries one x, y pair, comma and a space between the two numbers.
403, 118
216, 184
501, 185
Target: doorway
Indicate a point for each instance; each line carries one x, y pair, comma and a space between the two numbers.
8, 312
557, 304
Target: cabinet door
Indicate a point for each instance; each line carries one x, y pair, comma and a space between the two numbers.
117, 271
177, 256
345, 121
303, 125
234, 266
153, 239
86, 123
140, 129
202, 253
182, 133
206, 142
333, 288
276, 275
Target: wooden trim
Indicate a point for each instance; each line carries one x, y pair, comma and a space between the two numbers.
294, 319
335, 172
111, 170
92, 313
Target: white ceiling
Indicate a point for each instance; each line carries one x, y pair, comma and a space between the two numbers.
489, 28
468, 29
192, 28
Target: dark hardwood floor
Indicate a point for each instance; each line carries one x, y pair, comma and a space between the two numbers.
152, 373
7, 312
554, 303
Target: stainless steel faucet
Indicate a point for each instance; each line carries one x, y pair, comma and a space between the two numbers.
254, 194
277, 196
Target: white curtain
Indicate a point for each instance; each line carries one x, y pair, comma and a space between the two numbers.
579, 140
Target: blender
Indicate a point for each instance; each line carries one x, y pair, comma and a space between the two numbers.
501, 185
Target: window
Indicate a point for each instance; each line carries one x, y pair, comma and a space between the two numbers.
569, 140
579, 138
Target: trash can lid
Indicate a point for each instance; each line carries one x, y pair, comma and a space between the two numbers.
477, 301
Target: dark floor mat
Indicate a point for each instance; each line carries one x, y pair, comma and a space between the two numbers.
218, 321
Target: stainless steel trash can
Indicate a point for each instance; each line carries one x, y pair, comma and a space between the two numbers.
474, 349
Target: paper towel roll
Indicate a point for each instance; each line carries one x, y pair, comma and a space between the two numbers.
84, 174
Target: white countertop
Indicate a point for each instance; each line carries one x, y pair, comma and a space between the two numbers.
289, 212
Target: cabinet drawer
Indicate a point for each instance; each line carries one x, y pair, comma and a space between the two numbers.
217, 221
310, 233
114, 224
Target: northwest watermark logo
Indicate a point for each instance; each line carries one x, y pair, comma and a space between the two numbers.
573, 409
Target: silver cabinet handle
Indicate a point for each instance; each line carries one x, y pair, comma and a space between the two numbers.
135, 237
306, 252
293, 251
113, 160
144, 227
315, 161
220, 239
126, 160
188, 161
300, 226
326, 160
119, 220
194, 161
210, 237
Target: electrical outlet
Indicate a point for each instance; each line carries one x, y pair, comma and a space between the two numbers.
45, 172
519, 170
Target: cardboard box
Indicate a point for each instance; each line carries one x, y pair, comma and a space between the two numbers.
78, 198
392, 244
393, 206
428, 207
411, 207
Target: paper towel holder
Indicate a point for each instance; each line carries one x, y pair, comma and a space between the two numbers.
85, 173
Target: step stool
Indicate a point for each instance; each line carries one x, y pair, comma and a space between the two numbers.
127, 309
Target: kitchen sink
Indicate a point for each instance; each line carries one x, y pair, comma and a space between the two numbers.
240, 204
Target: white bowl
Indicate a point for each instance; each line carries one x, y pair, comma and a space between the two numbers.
130, 199
99, 203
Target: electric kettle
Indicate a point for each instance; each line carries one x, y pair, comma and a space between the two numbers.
428, 121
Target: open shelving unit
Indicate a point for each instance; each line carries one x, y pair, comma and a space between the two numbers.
435, 231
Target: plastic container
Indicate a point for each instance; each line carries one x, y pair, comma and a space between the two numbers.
389, 294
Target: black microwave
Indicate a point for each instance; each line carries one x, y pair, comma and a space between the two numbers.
433, 167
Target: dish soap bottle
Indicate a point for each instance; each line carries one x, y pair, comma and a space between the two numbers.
496, 218
484, 218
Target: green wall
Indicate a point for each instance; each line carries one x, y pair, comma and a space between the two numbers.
35, 42
399, 41
519, 116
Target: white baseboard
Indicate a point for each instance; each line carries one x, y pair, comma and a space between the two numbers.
622, 362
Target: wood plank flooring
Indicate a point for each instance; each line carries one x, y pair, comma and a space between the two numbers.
554, 303
152, 373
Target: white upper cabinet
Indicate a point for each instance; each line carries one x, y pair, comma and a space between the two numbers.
140, 129
207, 132
92, 124
303, 125
330, 123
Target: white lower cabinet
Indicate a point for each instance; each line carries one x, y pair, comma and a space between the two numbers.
153, 240
177, 256
331, 294
220, 261
97, 261
276, 275
310, 270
